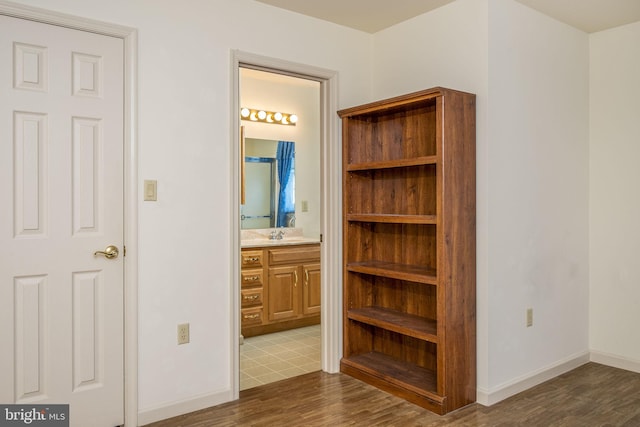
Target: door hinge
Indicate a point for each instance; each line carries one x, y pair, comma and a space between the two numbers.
124, 250
320, 237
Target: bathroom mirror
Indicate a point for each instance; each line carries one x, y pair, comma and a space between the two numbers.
267, 165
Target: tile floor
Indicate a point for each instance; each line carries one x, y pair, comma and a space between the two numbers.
268, 358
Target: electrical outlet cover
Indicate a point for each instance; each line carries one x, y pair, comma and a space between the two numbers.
183, 333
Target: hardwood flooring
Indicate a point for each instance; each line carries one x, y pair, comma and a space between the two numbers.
591, 395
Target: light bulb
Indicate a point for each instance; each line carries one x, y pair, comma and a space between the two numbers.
277, 116
270, 118
284, 120
293, 118
262, 115
253, 116
245, 112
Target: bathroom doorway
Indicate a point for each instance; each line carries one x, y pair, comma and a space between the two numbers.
330, 177
280, 206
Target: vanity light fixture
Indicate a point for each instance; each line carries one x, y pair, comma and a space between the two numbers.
264, 116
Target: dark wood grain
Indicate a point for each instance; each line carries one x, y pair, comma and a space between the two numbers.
396, 321
401, 191
409, 223
401, 163
393, 218
393, 270
412, 382
402, 132
591, 395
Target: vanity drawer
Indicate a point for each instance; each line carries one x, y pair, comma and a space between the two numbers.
251, 316
251, 278
249, 297
294, 254
252, 259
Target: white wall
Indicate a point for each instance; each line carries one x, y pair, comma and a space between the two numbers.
537, 194
530, 75
614, 195
184, 143
302, 97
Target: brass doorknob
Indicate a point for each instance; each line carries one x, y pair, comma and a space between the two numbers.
109, 252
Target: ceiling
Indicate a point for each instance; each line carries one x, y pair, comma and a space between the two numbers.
374, 15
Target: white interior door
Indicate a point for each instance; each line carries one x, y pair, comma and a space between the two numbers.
61, 192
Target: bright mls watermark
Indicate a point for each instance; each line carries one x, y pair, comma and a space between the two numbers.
34, 415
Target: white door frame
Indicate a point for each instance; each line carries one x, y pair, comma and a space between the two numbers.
330, 197
129, 37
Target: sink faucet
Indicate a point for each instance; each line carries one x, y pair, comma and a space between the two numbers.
276, 235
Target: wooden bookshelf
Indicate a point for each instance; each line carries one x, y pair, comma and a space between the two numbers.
409, 246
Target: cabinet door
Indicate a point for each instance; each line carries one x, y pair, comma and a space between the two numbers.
311, 289
283, 293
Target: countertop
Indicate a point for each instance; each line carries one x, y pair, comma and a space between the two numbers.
260, 238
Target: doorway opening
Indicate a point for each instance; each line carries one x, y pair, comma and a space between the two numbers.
279, 224
325, 204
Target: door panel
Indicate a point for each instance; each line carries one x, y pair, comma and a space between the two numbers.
61, 186
311, 295
283, 293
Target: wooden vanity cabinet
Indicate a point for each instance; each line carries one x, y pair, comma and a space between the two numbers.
285, 293
252, 287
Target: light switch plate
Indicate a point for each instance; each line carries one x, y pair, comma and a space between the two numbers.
150, 190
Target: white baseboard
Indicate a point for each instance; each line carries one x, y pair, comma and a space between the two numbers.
174, 409
615, 361
525, 382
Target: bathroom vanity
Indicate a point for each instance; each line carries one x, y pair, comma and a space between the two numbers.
280, 284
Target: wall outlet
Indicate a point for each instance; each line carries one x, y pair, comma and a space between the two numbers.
529, 317
183, 333
304, 206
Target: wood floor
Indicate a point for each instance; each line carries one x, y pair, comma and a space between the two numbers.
591, 395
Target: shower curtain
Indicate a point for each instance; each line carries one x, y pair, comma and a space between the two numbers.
284, 157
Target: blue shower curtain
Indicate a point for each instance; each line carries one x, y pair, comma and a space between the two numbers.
284, 157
